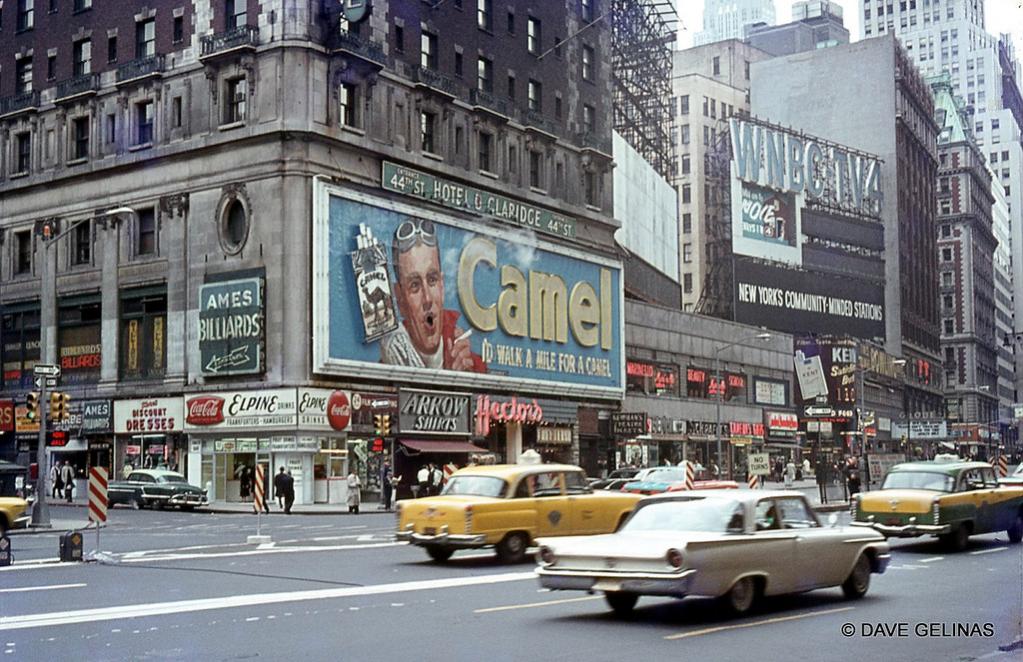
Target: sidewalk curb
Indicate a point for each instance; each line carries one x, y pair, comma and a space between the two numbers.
60, 528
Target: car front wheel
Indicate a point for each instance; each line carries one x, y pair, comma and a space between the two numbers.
621, 603
1016, 530
513, 548
741, 596
856, 585
439, 554
957, 539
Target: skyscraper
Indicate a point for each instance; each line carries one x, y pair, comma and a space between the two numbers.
729, 19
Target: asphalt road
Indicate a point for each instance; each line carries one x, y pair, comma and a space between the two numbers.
186, 586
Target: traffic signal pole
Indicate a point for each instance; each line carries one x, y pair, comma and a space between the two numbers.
41, 512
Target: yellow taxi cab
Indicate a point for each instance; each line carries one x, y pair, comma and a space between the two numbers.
508, 506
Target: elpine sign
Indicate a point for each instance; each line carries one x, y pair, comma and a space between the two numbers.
508, 311
271, 409
433, 413
325, 410
149, 416
231, 327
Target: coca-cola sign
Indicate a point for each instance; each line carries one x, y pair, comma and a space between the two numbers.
339, 410
204, 410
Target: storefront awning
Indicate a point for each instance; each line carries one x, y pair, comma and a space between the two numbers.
438, 446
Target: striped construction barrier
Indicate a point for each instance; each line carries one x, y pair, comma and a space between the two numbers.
257, 501
98, 500
690, 482
754, 482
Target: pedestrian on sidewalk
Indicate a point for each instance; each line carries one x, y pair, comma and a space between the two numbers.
790, 474
58, 485
853, 477
288, 487
279, 487
822, 479
67, 476
423, 481
354, 488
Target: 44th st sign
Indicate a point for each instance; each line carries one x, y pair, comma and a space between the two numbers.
354, 11
231, 327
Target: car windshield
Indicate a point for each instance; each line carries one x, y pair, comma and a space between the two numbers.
666, 476
486, 486
710, 515
919, 480
171, 478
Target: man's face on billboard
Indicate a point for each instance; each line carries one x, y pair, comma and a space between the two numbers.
420, 295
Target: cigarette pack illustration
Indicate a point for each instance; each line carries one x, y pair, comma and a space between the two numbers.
376, 301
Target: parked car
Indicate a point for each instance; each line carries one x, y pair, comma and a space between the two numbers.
507, 507
949, 499
15, 496
1013, 479
156, 488
738, 545
617, 477
673, 479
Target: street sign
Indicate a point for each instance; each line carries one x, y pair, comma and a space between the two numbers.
820, 411
98, 495
759, 464
47, 370
50, 382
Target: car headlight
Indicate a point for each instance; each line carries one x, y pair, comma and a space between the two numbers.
546, 555
674, 558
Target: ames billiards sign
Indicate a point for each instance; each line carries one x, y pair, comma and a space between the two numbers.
231, 327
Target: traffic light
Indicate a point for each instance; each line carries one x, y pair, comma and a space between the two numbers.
33, 406
65, 406
55, 406
382, 423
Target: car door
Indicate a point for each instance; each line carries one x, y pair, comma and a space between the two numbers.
993, 513
774, 549
585, 514
820, 556
552, 512
975, 500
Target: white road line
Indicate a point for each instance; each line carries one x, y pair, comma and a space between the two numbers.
39, 564
257, 552
779, 619
40, 588
988, 551
50, 619
932, 559
530, 605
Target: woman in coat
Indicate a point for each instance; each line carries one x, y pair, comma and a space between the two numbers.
354, 496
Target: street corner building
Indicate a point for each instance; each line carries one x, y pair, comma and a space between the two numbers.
312, 236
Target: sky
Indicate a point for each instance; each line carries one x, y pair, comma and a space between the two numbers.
999, 15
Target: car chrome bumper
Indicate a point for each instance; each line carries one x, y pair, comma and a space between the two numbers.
21, 522
188, 500
672, 585
906, 530
881, 562
453, 540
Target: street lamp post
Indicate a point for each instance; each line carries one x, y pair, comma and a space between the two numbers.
721, 390
41, 511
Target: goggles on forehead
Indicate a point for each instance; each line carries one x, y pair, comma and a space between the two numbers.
413, 231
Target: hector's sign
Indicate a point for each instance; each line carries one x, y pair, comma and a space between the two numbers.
433, 412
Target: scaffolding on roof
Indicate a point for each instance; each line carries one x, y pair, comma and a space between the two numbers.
642, 36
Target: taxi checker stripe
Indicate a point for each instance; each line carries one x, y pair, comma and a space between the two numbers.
98, 494
257, 503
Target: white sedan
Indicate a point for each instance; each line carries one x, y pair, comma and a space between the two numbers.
735, 544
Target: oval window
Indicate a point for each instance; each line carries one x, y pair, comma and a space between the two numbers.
235, 226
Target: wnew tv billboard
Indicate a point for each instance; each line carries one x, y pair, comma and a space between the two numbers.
408, 294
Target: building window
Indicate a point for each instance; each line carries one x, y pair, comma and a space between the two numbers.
428, 50
746, 67
23, 259
946, 279
112, 49
458, 64
511, 86
684, 137
588, 63
949, 326
687, 283
533, 35
591, 189
347, 96
144, 121
80, 136
586, 8
235, 11
26, 14
145, 38
143, 335
559, 175
23, 143
428, 131
51, 67
513, 159
589, 119
484, 151
716, 65
399, 39
946, 301
946, 254
686, 165
176, 112
511, 22
23, 73
179, 29
946, 230
82, 5
83, 243
535, 96
687, 223
484, 16
557, 105
234, 108
82, 57
687, 253
536, 169
146, 241
485, 75
234, 226
684, 104
687, 193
